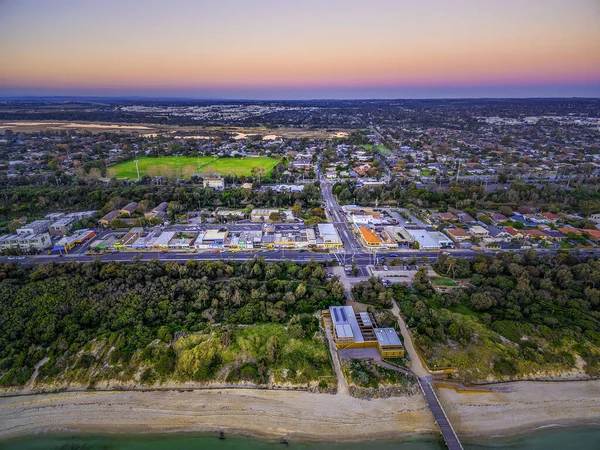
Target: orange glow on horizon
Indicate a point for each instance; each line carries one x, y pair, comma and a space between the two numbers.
93, 46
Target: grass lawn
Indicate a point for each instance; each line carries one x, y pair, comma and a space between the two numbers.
425, 173
382, 148
183, 166
443, 281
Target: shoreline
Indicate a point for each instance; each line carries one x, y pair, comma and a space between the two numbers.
298, 416
519, 408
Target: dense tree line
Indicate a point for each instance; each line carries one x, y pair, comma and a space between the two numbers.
518, 315
582, 199
56, 310
39, 200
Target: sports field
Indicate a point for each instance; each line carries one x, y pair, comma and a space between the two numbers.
182, 166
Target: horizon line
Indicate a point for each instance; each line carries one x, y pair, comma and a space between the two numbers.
150, 97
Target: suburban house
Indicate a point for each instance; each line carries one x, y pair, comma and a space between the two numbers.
499, 234
514, 233
447, 216
478, 231
458, 234
550, 216
213, 181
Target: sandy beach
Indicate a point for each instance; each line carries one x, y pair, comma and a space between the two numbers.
519, 407
297, 415
522, 406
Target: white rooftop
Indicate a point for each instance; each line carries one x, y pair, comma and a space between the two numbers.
345, 322
387, 336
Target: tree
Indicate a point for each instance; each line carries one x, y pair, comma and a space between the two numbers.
272, 348
421, 278
481, 301
13, 225
275, 217
257, 172
505, 211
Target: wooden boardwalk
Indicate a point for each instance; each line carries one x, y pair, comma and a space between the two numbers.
448, 433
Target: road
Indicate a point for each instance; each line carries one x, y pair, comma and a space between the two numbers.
416, 366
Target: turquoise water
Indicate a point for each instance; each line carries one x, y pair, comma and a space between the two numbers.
548, 439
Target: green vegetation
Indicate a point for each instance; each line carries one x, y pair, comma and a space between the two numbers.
150, 322
520, 316
372, 292
367, 380
185, 167
381, 148
35, 201
584, 199
443, 281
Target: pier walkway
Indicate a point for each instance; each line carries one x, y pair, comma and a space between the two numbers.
448, 433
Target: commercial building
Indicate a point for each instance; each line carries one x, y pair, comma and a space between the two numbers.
211, 239
35, 227
128, 208
355, 330
79, 215
61, 226
146, 241
108, 218
398, 234
53, 217
66, 243
183, 240
389, 343
128, 240
424, 239
25, 242
246, 240
311, 237
329, 235
159, 212
262, 215
163, 239
442, 239
369, 238
345, 326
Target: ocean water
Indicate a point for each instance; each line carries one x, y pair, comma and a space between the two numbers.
547, 439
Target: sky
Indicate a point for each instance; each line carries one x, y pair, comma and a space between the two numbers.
286, 49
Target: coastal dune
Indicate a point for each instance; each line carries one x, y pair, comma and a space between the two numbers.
295, 415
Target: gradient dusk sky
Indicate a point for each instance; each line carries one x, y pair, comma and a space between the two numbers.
278, 49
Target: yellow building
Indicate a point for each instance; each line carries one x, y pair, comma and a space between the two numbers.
355, 330
389, 343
